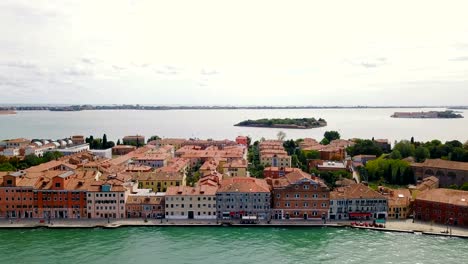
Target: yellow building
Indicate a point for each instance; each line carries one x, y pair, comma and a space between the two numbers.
236, 168
399, 202
159, 181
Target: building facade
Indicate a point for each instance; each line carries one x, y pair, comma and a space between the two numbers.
184, 202
243, 196
357, 202
448, 172
443, 206
299, 195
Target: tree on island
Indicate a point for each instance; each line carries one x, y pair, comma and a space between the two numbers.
118, 141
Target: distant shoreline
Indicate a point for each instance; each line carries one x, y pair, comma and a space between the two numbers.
7, 112
74, 108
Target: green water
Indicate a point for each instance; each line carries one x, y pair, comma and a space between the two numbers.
226, 245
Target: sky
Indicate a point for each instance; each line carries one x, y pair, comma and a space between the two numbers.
234, 52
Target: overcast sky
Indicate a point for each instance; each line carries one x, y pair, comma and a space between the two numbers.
234, 52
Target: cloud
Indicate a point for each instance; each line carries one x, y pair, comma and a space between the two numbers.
169, 70
77, 71
460, 58
208, 72
20, 64
368, 62
118, 68
89, 61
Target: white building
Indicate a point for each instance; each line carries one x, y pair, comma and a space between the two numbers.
73, 150
10, 152
184, 202
106, 199
104, 153
357, 201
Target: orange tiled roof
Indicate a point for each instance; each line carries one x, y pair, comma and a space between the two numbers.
355, 191
187, 190
447, 196
443, 164
244, 185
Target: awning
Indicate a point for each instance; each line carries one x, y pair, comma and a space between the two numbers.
359, 214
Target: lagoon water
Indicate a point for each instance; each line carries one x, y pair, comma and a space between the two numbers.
218, 124
226, 245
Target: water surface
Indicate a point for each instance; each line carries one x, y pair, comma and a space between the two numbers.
226, 245
218, 124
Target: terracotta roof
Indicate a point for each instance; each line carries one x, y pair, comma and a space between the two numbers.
238, 163
124, 147
295, 177
244, 185
158, 176
17, 140
285, 169
428, 183
399, 197
447, 196
443, 164
175, 165
187, 190
355, 191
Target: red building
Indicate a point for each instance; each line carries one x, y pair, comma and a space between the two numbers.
442, 206
277, 172
242, 140
16, 196
299, 195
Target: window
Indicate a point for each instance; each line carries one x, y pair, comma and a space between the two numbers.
57, 185
278, 195
306, 187
296, 195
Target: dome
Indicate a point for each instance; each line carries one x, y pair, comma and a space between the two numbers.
37, 143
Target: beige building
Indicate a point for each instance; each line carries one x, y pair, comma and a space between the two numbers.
235, 168
184, 202
275, 160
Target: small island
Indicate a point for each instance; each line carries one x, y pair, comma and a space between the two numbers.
429, 114
7, 112
295, 123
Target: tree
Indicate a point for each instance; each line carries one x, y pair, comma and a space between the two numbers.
312, 154
405, 148
281, 135
153, 138
104, 141
290, 146
331, 135
412, 140
325, 141
364, 147
118, 141
7, 167
395, 154
421, 154
465, 145
464, 187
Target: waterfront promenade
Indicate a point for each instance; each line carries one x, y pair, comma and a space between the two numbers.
404, 226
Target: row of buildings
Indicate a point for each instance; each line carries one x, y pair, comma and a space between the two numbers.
151, 182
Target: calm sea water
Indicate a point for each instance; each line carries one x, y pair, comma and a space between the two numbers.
226, 245
218, 124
